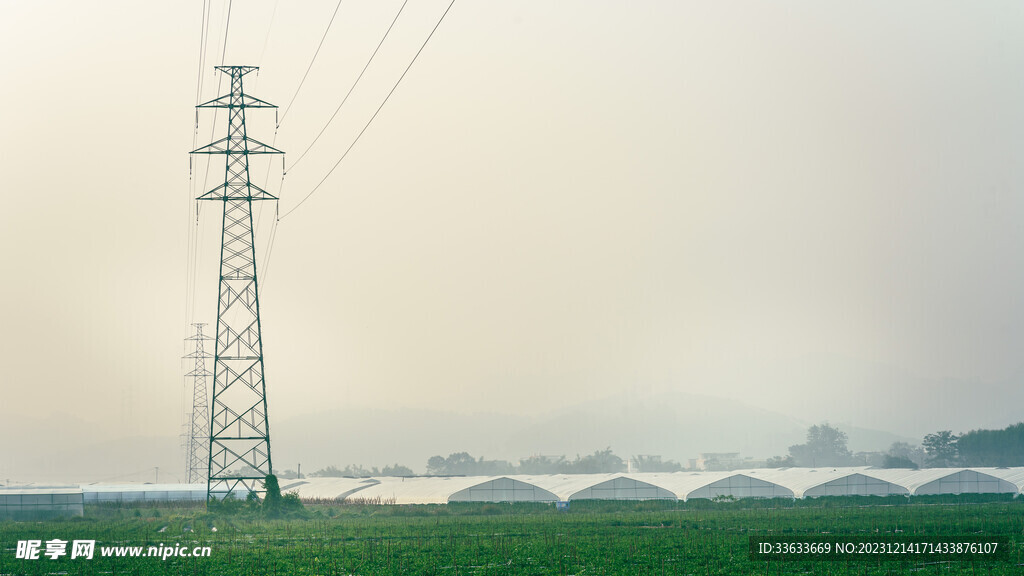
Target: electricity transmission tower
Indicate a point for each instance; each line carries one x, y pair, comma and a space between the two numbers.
239, 457
197, 436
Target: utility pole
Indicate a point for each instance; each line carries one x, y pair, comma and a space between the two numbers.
239, 457
197, 440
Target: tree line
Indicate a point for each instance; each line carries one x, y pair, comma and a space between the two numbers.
601, 461
827, 446
464, 464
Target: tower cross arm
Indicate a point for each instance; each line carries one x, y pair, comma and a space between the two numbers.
238, 71
229, 146
227, 191
245, 101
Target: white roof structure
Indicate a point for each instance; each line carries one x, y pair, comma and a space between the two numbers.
737, 484
1014, 476
565, 485
760, 483
327, 488
623, 487
504, 489
37, 503
145, 492
945, 481
741, 484
417, 490
830, 481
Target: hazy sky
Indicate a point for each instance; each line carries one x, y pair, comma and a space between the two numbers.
812, 207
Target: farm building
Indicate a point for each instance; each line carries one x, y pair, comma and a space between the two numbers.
40, 503
759, 483
946, 481
1014, 476
144, 492
327, 488
565, 486
390, 489
815, 482
503, 489
623, 488
709, 485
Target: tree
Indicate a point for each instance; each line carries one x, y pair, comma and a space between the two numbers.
350, 471
456, 464
462, 464
655, 464
435, 465
598, 462
992, 447
780, 462
941, 449
272, 500
542, 465
397, 470
825, 446
903, 455
328, 472
898, 462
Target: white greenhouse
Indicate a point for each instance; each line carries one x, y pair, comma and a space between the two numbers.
623, 488
1014, 476
40, 503
145, 492
932, 481
503, 489
760, 483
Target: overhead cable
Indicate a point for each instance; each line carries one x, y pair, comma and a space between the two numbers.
351, 88
370, 121
310, 67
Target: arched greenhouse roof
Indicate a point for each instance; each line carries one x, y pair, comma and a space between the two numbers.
830, 481
741, 485
327, 488
946, 481
503, 489
417, 489
623, 488
1013, 475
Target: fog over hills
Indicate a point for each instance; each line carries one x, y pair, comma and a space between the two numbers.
674, 426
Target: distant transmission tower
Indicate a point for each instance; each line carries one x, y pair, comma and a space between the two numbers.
197, 434
239, 433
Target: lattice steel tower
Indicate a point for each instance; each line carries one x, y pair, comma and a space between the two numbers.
197, 436
239, 432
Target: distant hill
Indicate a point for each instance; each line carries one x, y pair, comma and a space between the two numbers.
676, 426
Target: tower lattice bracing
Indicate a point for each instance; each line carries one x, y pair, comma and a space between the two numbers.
197, 435
239, 458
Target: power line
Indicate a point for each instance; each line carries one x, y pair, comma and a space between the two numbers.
266, 42
202, 48
227, 27
193, 231
361, 132
310, 67
269, 28
206, 175
349, 93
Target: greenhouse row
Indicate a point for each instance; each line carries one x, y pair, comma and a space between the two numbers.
759, 483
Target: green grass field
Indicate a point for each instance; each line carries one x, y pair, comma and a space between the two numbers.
697, 538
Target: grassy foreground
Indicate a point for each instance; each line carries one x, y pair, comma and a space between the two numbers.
593, 538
